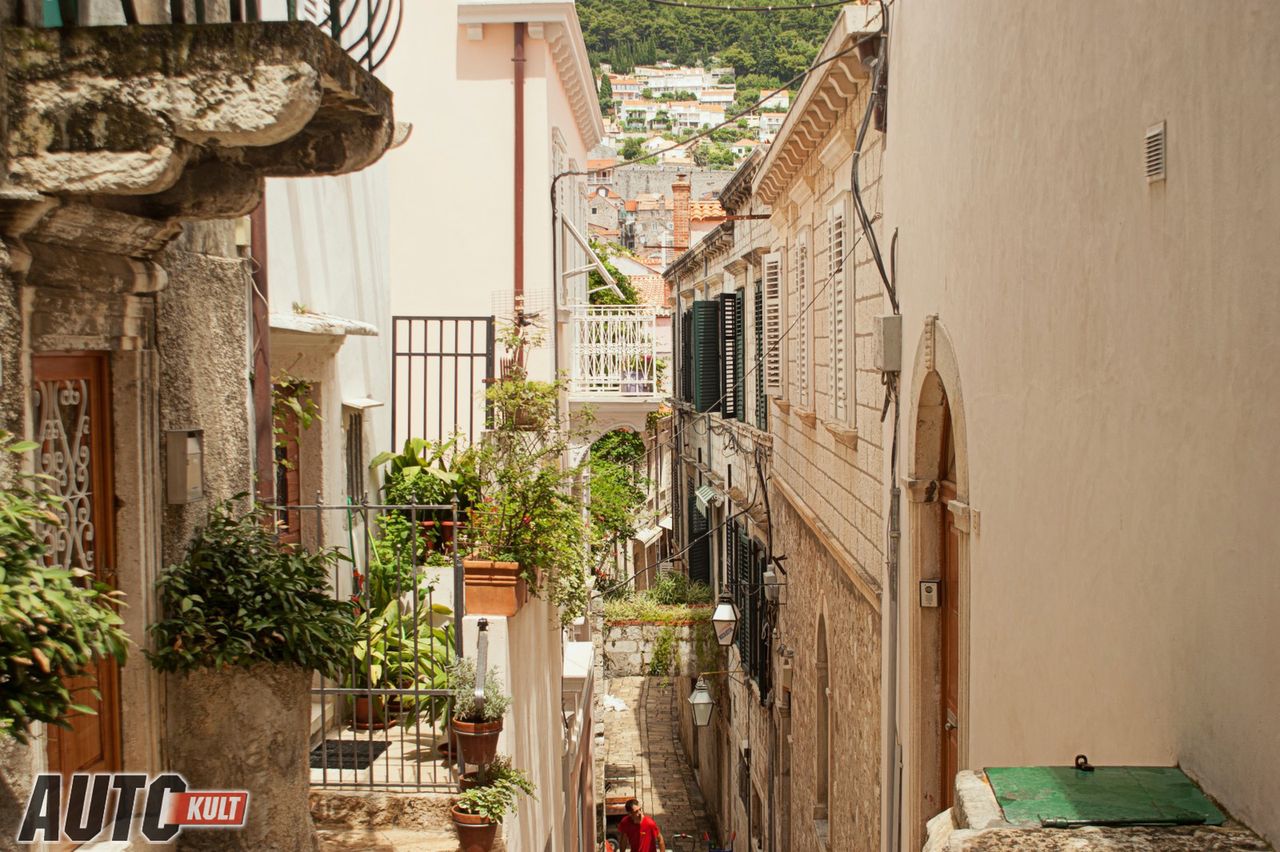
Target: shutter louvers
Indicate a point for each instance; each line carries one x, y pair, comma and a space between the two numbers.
746, 644
739, 355
699, 552
729, 355
839, 309
802, 318
686, 356
706, 355
762, 403
772, 286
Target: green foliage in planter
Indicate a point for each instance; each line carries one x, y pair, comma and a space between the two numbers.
240, 598
664, 652
51, 620
391, 651
643, 608
462, 681
500, 786
526, 512
427, 473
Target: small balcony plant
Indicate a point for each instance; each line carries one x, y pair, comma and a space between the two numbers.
526, 533
477, 725
489, 796
426, 473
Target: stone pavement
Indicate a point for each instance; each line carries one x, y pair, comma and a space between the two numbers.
646, 736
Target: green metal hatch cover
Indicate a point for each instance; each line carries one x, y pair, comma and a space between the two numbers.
1064, 796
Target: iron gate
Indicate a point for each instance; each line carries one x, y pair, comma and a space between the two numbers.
382, 723
440, 369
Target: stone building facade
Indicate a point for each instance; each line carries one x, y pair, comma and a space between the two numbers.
125, 299
829, 527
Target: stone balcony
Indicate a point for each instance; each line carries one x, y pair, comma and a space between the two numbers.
114, 135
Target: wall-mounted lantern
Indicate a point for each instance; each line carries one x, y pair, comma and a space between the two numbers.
725, 620
702, 702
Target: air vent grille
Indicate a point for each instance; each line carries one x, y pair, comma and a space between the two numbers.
1155, 152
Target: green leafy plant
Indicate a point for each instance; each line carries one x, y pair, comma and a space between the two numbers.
462, 682
53, 621
398, 647
602, 295
640, 607
525, 512
672, 587
617, 490
664, 652
291, 398
427, 473
240, 598
500, 788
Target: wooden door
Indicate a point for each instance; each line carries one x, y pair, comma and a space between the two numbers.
949, 549
72, 420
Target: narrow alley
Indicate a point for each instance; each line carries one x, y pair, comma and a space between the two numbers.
644, 738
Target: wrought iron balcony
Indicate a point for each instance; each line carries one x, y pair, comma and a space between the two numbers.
366, 29
616, 352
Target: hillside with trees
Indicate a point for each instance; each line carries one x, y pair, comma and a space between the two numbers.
775, 46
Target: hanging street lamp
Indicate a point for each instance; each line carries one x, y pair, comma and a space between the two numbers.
702, 703
725, 621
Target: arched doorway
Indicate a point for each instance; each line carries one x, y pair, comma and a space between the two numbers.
939, 526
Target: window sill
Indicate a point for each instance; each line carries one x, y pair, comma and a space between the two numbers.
807, 417
842, 434
783, 405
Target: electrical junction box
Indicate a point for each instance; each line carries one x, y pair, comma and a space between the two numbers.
184, 465
929, 593
785, 671
886, 343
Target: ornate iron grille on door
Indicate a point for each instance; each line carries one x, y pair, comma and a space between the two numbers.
440, 369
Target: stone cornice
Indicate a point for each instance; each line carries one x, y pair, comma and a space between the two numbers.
825, 96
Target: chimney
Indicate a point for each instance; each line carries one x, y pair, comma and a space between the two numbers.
680, 212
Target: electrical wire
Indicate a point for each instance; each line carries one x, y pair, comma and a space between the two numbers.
769, 8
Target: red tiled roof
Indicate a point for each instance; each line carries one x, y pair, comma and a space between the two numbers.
597, 165
631, 205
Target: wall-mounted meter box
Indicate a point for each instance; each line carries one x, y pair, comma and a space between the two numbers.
886, 343
184, 465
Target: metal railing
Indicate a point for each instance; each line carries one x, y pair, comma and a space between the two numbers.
366, 29
440, 370
615, 351
383, 722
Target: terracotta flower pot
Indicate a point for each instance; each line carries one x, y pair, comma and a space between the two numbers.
440, 533
475, 833
371, 714
493, 588
469, 781
478, 741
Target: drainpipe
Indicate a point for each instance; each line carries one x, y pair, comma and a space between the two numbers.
518, 189
263, 433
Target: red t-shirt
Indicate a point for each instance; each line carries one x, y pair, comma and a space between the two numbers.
642, 837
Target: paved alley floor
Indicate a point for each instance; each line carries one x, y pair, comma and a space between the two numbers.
645, 736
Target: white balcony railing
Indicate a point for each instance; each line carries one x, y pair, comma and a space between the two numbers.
615, 351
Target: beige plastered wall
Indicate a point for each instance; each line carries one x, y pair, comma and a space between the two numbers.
1115, 341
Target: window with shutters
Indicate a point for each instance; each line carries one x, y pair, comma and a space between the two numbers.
801, 330
731, 356
771, 282
706, 355
762, 402
699, 546
838, 311
686, 355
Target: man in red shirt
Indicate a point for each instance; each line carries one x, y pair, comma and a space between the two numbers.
641, 832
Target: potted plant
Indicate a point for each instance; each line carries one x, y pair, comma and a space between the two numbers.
425, 473
245, 623
481, 808
476, 725
525, 533
51, 620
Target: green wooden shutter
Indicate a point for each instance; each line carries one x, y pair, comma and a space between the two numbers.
699, 554
743, 579
762, 402
686, 356
706, 355
739, 353
761, 640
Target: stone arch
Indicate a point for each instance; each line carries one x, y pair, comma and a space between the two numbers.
936, 414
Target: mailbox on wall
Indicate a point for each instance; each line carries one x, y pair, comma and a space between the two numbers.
184, 465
